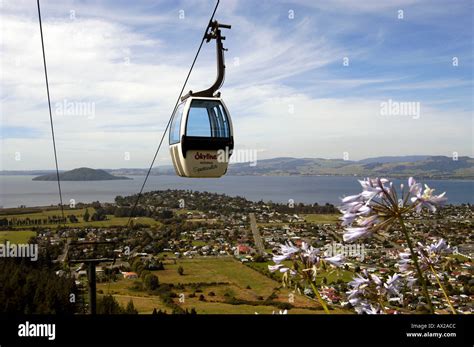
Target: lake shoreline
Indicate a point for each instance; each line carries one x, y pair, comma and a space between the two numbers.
21, 190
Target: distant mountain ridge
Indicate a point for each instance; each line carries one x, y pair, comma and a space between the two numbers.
422, 166
400, 167
394, 159
81, 174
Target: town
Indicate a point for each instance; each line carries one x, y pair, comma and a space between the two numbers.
195, 252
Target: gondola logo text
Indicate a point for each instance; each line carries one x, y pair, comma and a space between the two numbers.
207, 156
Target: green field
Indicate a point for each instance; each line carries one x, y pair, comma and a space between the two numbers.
22, 236
79, 213
218, 280
143, 304
45, 213
331, 276
314, 218
317, 218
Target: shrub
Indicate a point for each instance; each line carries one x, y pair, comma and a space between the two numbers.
151, 282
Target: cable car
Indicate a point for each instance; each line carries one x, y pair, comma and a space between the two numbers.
201, 136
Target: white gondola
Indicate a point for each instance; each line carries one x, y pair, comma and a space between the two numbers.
201, 137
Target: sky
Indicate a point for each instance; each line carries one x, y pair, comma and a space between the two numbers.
320, 79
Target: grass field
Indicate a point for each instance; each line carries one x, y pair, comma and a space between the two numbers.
331, 277
45, 213
218, 280
314, 218
79, 213
321, 218
17, 236
143, 304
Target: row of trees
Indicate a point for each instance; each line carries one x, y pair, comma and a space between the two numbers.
109, 305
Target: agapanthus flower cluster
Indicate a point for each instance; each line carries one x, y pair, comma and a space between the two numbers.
300, 266
305, 260
429, 255
379, 205
369, 291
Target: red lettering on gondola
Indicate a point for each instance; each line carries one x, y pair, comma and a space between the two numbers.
207, 156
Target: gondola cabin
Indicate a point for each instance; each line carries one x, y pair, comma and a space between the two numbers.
201, 137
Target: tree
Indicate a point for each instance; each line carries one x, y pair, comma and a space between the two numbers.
180, 270
166, 214
130, 309
99, 214
151, 282
108, 305
86, 215
72, 218
34, 288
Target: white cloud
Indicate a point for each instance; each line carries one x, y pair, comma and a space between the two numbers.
87, 62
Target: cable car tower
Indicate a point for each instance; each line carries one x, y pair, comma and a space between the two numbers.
201, 135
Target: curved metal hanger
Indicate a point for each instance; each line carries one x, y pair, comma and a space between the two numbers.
213, 32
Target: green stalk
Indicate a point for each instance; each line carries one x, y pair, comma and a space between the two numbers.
382, 307
415, 260
442, 289
320, 299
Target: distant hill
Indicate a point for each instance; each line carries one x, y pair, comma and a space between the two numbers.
419, 166
81, 174
394, 159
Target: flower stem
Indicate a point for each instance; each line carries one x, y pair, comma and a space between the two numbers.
320, 299
442, 289
415, 260
382, 307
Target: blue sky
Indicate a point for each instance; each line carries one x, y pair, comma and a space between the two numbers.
286, 86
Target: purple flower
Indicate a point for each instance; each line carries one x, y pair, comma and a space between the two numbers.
431, 254
287, 251
335, 260
354, 233
378, 206
393, 284
309, 252
273, 268
425, 198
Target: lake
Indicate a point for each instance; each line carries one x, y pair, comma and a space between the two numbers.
21, 190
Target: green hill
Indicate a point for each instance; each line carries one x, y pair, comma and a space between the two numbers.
397, 167
81, 174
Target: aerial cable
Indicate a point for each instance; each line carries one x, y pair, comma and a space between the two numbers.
50, 113
171, 117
